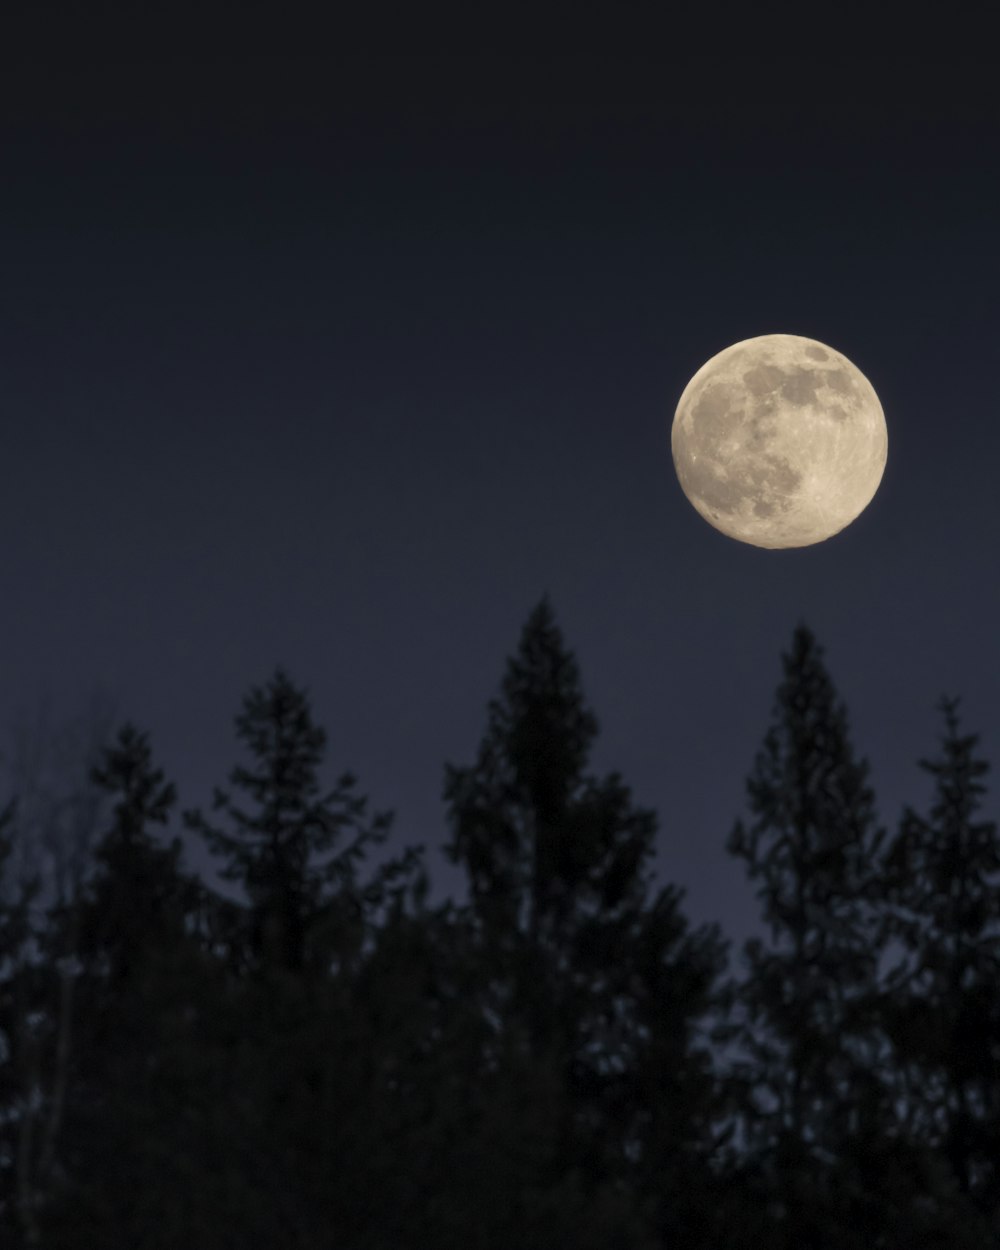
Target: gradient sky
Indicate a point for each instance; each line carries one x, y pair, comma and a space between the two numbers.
343, 367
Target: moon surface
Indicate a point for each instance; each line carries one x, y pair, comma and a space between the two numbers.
779, 441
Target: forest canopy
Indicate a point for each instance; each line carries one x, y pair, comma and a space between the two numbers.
306, 1052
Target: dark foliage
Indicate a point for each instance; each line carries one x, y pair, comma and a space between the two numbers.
307, 907
817, 1092
319, 1058
942, 1001
581, 972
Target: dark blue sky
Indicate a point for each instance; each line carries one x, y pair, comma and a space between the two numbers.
342, 367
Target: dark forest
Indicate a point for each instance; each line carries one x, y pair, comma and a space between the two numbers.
313, 1056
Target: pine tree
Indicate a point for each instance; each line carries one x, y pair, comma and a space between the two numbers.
580, 970
812, 1089
307, 906
942, 873
139, 974
137, 891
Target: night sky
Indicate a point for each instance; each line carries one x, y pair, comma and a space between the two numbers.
342, 367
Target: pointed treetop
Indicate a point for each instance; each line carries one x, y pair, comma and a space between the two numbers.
550, 730
275, 722
942, 865
127, 771
958, 771
812, 805
537, 834
305, 894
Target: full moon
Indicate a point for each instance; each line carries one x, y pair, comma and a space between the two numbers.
779, 441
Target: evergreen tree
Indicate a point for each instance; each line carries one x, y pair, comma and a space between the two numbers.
136, 898
812, 1089
445, 1150
580, 971
307, 907
942, 874
138, 978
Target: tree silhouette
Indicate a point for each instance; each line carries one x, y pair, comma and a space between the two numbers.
941, 872
332, 1057
580, 971
138, 982
308, 907
812, 1088
137, 892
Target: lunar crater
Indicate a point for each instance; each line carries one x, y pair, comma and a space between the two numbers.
838, 380
763, 379
799, 387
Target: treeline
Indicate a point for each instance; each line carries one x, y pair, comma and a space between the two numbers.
561, 1062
